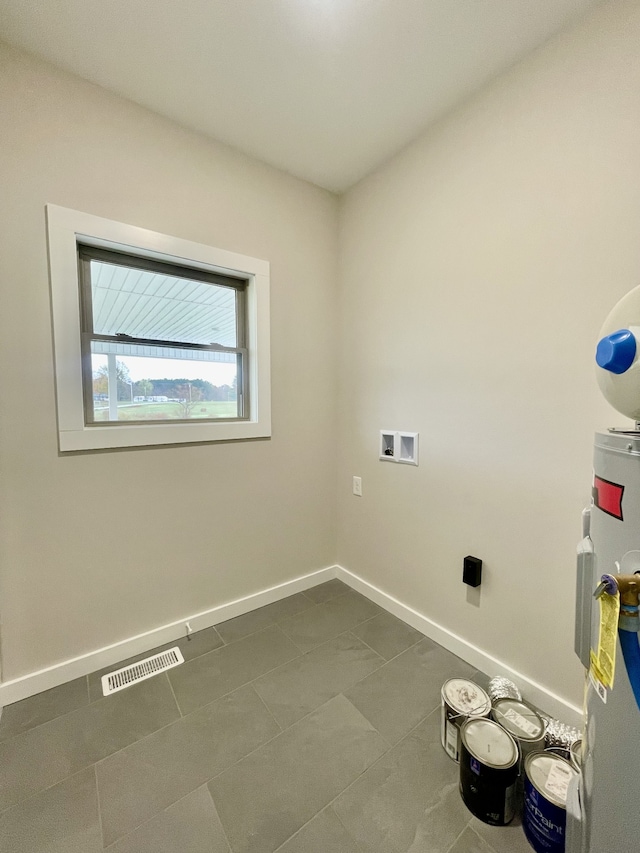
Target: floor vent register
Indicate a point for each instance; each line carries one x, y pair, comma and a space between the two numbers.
139, 671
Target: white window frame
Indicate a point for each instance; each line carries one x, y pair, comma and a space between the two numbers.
66, 229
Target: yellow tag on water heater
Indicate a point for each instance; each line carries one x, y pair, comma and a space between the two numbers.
604, 661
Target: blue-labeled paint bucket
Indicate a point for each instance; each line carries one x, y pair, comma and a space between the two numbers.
546, 783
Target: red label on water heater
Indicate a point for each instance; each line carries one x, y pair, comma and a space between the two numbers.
607, 496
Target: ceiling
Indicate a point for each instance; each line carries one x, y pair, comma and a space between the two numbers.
324, 89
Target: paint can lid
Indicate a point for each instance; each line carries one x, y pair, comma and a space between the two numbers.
518, 719
466, 697
550, 776
576, 753
489, 743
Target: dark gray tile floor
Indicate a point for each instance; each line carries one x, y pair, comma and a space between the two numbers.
308, 726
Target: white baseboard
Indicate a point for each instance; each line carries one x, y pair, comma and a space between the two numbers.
533, 692
45, 679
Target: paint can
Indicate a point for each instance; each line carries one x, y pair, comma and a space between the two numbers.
461, 699
576, 754
522, 722
546, 783
488, 771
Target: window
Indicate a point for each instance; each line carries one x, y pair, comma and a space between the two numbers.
160, 342
157, 340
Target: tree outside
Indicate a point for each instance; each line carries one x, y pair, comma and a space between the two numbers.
101, 381
188, 396
144, 387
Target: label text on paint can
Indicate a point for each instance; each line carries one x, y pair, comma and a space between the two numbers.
544, 823
558, 781
546, 784
510, 802
475, 766
451, 742
522, 723
505, 816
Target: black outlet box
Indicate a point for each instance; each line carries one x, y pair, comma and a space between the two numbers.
472, 571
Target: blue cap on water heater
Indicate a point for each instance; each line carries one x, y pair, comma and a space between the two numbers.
617, 351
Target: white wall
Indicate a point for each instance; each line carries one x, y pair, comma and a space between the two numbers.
98, 547
477, 268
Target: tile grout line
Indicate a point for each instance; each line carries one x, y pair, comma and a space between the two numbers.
291, 640
218, 634
224, 831
383, 664
459, 836
277, 622
272, 624
364, 642
277, 735
252, 681
46, 722
155, 815
201, 784
315, 710
175, 698
86, 766
5, 811
341, 822
375, 615
298, 831
314, 649
370, 767
95, 778
316, 605
268, 709
237, 761
350, 629
366, 770
93, 763
359, 776
330, 803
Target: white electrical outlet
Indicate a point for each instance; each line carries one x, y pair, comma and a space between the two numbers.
357, 486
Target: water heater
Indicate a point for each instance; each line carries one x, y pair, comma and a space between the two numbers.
603, 806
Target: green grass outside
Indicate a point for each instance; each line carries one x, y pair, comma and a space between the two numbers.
169, 411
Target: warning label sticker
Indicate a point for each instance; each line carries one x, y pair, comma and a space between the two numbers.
595, 682
604, 661
607, 496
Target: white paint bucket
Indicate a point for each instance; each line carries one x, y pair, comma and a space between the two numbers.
461, 700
